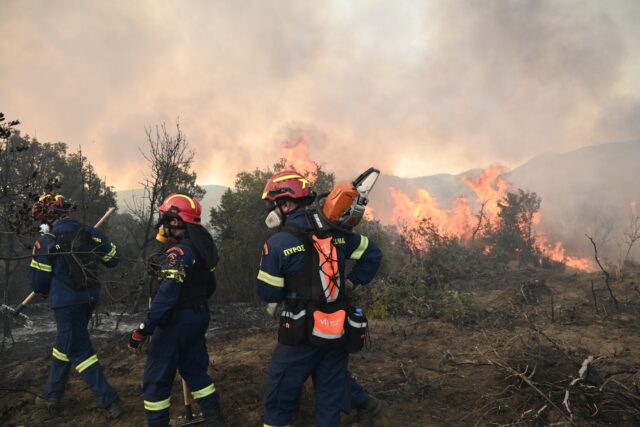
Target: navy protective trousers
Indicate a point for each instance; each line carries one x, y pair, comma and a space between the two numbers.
74, 346
179, 346
359, 395
290, 367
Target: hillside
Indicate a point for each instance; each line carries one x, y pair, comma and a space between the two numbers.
589, 190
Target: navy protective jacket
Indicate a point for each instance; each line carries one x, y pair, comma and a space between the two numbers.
283, 255
49, 274
179, 262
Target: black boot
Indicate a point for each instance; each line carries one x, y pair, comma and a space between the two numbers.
214, 419
115, 409
367, 412
51, 405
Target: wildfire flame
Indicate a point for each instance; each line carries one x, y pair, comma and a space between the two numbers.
459, 221
556, 252
295, 152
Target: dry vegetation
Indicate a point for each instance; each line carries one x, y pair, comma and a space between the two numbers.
534, 353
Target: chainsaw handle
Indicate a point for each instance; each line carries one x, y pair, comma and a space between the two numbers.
363, 175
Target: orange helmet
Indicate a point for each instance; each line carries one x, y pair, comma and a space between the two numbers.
49, 207
185, 207
287, 183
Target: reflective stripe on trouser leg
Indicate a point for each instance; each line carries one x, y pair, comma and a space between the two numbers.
160, 405
92, 374
204, 392
60, 355
82, 366
159, 373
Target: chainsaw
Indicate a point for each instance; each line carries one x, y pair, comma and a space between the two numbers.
344, 206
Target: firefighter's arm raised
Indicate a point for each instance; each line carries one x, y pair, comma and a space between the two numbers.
41, 268
367, 256
173, 273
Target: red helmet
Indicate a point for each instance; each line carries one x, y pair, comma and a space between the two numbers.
185, 207
287, 183
49, 207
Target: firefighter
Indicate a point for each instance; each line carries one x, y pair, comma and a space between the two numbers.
64, 267
178, 316
287, 274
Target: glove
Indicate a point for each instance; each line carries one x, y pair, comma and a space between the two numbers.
272, 309
136, 340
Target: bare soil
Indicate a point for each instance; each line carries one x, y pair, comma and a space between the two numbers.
427, 372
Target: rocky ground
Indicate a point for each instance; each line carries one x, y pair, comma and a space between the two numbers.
513, 366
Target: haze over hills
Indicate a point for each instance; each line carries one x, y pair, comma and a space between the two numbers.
127, 198
589, 190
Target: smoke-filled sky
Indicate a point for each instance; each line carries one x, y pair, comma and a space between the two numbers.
413, 87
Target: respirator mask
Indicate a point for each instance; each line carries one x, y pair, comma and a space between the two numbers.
275, 216
165, 227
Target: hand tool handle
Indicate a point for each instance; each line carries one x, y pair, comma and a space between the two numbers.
104, 217
24, 303
187, 405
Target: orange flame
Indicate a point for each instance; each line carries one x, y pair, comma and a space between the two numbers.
295, 153
556, 252
459, 221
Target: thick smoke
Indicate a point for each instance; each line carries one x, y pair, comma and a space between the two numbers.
415, 88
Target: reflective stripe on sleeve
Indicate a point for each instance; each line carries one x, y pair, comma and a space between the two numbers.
204, 392
269, 425
276, 281
60, 355
160, 405
173, 274
88, 362
364, 244
41, 266
292, 316
359, 325
111, 253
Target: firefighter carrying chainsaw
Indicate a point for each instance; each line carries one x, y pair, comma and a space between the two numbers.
178, 317
303, 266
64, 268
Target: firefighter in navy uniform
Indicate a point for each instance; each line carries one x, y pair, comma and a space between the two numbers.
70, 282
178, 317
287, 274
